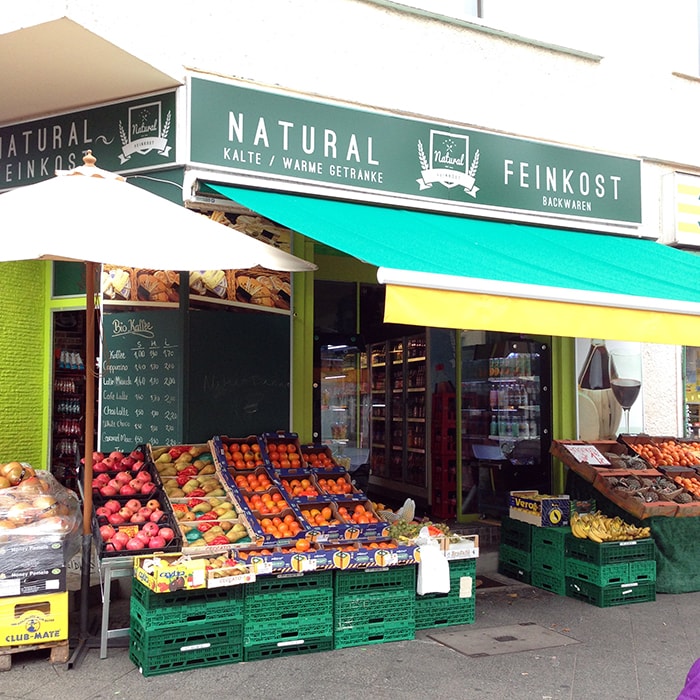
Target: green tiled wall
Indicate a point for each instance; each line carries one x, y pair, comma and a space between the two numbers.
23, 343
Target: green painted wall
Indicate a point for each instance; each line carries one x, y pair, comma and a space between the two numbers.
563, 401
23, 362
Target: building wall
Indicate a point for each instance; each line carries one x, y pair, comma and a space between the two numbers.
618, 77
23, 343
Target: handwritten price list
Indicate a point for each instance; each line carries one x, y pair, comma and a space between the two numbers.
140, 387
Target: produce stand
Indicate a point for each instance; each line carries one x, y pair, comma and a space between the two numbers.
674, 524
273, 551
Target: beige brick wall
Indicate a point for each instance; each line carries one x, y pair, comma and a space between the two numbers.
22, 361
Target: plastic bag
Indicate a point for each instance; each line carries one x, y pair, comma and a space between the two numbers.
39, 509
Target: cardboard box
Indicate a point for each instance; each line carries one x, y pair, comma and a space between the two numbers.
37, 580
34, 619
165, 573
539, 509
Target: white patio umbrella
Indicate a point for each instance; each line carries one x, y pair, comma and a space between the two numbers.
94, 216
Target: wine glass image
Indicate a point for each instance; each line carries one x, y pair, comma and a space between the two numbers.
626, 379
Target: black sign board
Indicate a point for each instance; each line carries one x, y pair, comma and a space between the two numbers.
141, 379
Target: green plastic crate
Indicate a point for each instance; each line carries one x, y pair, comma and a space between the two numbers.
609, 552
159, 601
291, 647
548, 545
215, 611
275, 631
514, 572
608, 596
373, 608
443, 612
394, 578
516, 533
288, 605
395, 631
183, 647
549, 581
459, 569
515, 557
290, 582
642, 571
600, 575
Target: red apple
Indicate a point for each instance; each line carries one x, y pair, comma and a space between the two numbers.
153, 504
167, 533
107, 532
127, 490
113, 504
115, 519
103, 512
133, 504
108, 491
135, 543
156, 515
150, 529
157, 542
120, 538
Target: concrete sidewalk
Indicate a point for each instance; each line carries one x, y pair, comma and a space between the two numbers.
640, 651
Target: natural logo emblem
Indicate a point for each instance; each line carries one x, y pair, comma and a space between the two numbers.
145, 131
448, 163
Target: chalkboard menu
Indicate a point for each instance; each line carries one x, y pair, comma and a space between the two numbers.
141, 379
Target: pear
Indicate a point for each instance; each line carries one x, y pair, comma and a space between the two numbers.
165, 457
208, 469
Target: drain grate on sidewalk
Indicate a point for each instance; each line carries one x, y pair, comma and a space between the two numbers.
509, 639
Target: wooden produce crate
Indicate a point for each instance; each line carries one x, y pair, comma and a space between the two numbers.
588, 459
634, 506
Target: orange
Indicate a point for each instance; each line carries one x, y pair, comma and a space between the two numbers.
302, 545
327, 513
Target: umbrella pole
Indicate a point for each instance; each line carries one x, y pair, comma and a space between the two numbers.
87, 472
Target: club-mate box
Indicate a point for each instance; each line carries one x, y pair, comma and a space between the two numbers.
33, 619
539, 509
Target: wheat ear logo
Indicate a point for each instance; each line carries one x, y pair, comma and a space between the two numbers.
447, 162
145, 131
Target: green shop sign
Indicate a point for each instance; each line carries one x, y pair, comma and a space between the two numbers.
307, 141
129, 135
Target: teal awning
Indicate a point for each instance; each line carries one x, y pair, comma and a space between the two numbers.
495, 273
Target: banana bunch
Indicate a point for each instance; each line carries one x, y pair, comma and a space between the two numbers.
600, 528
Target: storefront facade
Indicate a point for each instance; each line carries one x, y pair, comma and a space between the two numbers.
327, 134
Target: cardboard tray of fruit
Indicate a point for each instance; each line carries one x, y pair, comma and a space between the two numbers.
188, 486
378, 553
283, 451
172, 460
214, 536
339, 487
355, 520
320, 459
301, 490
238, 454
588, 459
